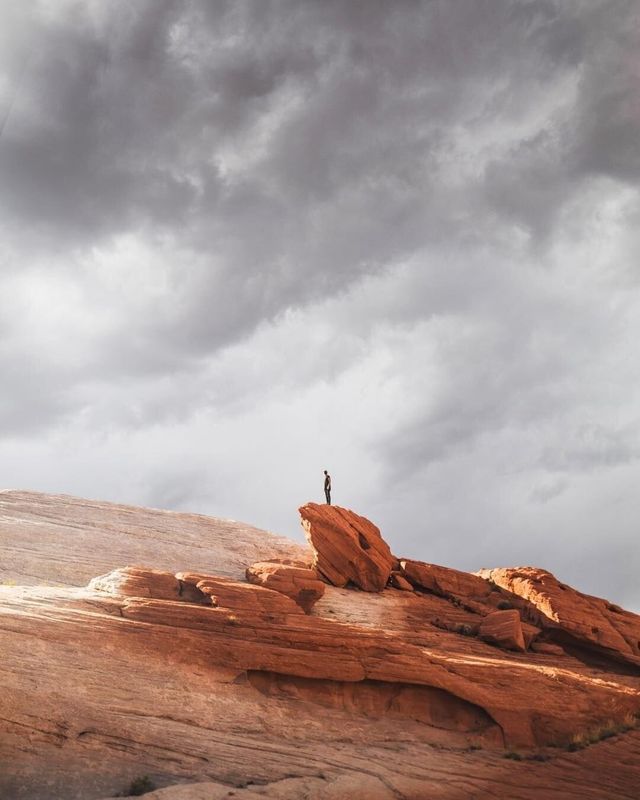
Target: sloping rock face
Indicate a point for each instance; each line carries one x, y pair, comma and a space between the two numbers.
197, 676
571, 615
301, 584
347, 547
60, 540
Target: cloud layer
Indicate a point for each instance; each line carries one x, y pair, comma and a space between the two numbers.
243, 242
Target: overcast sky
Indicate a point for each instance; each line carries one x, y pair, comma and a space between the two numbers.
242, 242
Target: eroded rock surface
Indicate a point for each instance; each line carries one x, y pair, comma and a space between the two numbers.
347, 547
299, 583
503, 628
60, 540
573, 616
446, 582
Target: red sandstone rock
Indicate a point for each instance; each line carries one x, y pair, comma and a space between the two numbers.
445, 582
398, 581
253, 628
233, 594
585, 619
252, 689
530, 633
299, 583
347, 547
138, 582
504, 629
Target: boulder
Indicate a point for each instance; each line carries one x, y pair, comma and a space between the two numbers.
446, 582
347, 547
503, 629
301, 584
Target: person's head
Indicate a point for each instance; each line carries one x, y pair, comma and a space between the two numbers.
325, 472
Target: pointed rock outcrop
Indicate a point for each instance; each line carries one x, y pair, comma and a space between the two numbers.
347, 547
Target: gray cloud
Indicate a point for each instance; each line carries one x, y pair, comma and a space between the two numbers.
398, 239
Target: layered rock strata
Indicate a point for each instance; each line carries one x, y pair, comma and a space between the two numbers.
574, 617
199, 675
299, 583
249, 627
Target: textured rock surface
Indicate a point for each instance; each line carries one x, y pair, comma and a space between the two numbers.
301, 584
444, 581
232, 594
504, 629
363, 787
60, 540
140, 582
575, 617
347, 547
365, 695
398, 581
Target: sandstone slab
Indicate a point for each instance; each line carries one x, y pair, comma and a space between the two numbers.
48, 539
138, 581
446, 582
504, 629
234, 594
301, 584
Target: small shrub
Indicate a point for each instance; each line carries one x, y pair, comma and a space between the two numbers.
513, 755
583, 739
578, 742
140, 786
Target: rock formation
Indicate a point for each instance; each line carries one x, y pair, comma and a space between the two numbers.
503, 628
199, 676
347, 547
298, 582
573, 617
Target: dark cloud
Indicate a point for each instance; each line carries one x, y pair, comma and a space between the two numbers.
398, 237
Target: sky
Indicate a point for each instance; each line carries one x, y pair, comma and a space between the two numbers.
243, 242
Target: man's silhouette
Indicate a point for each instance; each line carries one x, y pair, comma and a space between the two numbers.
327, 487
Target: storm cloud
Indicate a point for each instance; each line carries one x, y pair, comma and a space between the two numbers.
242, 242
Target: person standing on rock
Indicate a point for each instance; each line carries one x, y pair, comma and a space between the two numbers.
327, 487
